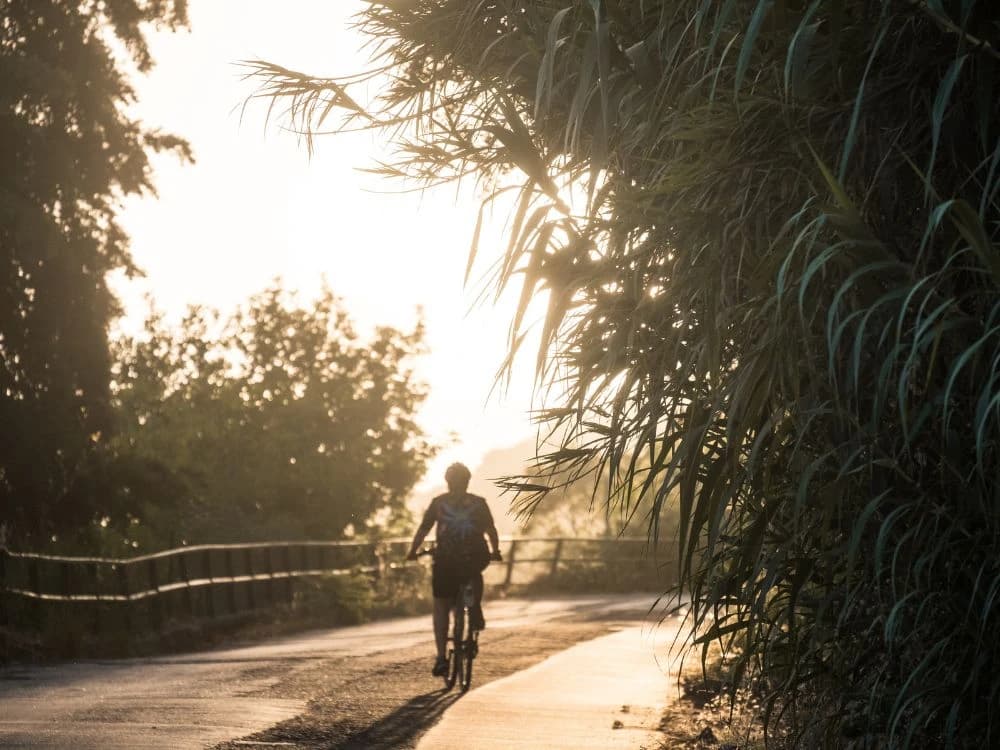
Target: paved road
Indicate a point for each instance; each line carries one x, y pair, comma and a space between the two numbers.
608, 693
199, 699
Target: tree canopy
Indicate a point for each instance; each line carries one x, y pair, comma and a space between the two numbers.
768, 231
278, 422
71, 152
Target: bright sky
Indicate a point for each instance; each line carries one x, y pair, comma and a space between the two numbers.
255, 207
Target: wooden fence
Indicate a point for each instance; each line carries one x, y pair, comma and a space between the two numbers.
219, 579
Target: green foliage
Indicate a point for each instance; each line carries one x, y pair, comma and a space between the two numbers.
768, 231
70, 152
577, 507
280, 422
403, 592
608, 577
341, 600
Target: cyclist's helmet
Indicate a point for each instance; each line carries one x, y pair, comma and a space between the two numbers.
457, 476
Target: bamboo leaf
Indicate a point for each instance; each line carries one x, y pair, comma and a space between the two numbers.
859, 99
474, 245
543, 90
797, 59
974, 233
941, 101
743, 61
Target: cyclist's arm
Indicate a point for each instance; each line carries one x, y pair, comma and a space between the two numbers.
494, 538
491, 531
422, 531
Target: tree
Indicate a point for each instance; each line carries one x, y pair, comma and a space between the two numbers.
71, 153
277, 423
769, 235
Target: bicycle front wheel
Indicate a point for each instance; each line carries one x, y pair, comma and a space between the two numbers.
451, 675
468, 655
457, 655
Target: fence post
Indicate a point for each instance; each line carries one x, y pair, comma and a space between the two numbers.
64, 607
3, 585
188, 596
155, 606
252, 586
231, 572
36, 587
169, 600
95, 576
124, 592
379, 559
287, 560
4, 614
210, 588
510, 563
555, 557
64, 579
270, 571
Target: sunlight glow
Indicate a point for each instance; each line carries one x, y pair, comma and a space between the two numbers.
255, 207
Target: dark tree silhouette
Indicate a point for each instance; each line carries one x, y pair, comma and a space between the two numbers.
70, 152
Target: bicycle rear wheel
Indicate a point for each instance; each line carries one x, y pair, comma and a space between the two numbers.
455, 667
469, 649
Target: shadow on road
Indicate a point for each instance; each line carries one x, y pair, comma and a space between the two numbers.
404, 725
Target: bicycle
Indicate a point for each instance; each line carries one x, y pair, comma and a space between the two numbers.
463, 645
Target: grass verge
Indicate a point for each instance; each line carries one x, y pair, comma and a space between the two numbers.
705, 717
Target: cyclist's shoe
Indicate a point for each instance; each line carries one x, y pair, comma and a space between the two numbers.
476, 619
440, 667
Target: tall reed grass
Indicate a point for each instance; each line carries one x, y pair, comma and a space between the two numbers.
768, 233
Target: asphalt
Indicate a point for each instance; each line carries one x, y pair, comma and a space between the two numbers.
196, 700
602, 694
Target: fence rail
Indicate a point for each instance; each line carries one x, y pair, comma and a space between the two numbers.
214, 579
172, 570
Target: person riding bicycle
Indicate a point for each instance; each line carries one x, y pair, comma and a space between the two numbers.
461, 554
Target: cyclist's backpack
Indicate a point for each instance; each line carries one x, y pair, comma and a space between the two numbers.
460, 534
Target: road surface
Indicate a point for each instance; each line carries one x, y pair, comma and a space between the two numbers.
602, 694
196, 700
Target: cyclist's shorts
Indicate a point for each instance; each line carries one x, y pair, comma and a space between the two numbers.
448, 575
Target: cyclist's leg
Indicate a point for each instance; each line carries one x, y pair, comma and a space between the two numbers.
477, 609
442, 606
477, 587
444, 585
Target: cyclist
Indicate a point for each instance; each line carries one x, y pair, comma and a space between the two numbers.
461, 552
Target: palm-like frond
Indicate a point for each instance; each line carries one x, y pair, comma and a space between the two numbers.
777, 307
